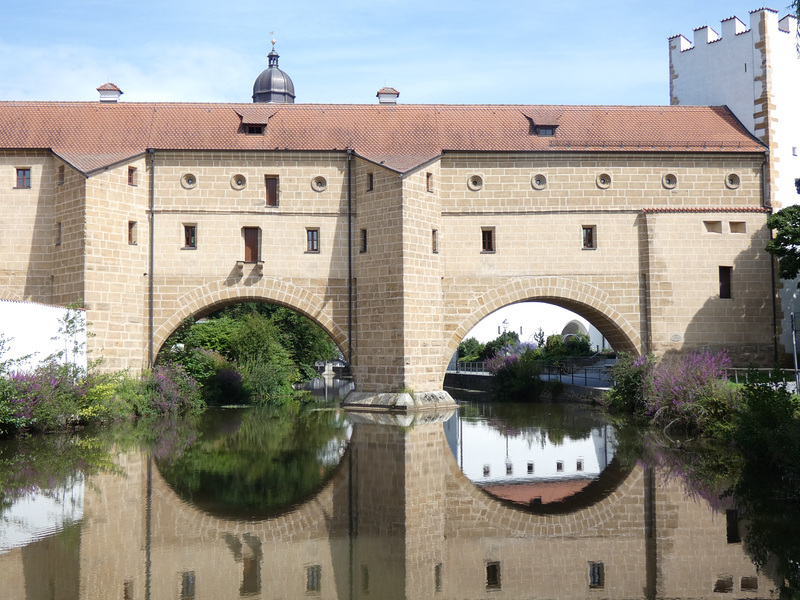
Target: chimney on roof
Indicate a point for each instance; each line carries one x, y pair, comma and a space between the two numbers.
109, 92
387, 95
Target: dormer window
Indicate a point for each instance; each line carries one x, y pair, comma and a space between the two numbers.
255, 130
545, 130
542, 121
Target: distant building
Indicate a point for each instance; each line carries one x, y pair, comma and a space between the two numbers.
755, 71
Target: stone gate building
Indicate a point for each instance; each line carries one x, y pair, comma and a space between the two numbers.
395, 227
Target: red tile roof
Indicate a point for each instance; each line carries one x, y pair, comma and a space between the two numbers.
93, 135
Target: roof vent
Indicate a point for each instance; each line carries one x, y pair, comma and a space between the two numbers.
387, 95
109, 92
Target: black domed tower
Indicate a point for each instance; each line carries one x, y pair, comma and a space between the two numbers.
273, 85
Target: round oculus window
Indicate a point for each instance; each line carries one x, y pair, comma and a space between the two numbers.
669, 181
188, 180
319, 184
539, 181
603, 181
475, 182
732, 181
238, 182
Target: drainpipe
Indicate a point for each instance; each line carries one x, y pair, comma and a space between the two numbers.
350, 258
151, 258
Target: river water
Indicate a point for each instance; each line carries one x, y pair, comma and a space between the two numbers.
490, 501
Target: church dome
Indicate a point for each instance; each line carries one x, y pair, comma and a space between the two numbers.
273, 85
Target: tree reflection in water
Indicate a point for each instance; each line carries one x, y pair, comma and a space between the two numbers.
256, 463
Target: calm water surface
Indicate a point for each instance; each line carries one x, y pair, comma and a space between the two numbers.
494, 501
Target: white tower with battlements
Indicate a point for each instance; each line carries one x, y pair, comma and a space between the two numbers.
755, 71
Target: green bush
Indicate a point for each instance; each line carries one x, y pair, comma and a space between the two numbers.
631, 376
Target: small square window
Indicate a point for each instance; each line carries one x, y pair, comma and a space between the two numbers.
61, 176
131, 175
132, 240
530, 468
579, 465
363, 247
58, 233
493, 575
486, 470
560, 466
597, 575
429, 182
725, 276
724, 585
254, 130
509, 468
314, 578
589, 237
435, 241
312, 240
713, 226
487, 239
370, 182
24, 178
749, 584
271, 183
190, 236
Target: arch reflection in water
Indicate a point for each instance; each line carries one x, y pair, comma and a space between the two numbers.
252, 464
397, 519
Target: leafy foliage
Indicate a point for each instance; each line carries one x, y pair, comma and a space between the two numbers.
470, 350
785, 246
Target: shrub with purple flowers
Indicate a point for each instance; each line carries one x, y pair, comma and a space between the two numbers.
516, 370
168, 390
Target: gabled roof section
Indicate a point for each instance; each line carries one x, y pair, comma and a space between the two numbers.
91, 135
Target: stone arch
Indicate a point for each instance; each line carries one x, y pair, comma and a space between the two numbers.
6, 294
582, 298
211, 297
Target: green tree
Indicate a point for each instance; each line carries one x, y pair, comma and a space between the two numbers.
508, 338
470, 350
785, 246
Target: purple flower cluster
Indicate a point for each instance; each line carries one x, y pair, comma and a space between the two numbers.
508, 356
48, 394
169, 390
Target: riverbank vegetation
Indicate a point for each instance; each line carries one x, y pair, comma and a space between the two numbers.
247, 354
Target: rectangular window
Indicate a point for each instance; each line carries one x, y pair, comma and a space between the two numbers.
597, 575
509, 468
24, 178
579, 465
190, 236
365, 579
314, 578
429, 182
187, 585
271, 183
437, 577
487, 239
435, 241
724, 585
363, 247
749, 584
530, 468
725, 282
559, 465
58, 233
132, 233
732, 526
131, 175
251, 245
255, 130
589, 240
370, 182
312, 240
487, 469
251, 576
493, 575
738, 226
61, 175
127, 590
713, 226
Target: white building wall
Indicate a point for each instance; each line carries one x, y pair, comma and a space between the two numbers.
755, 71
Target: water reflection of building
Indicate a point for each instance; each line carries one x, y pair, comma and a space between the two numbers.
398, 520
528, 466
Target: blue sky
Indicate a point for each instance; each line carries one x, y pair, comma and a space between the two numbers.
503, 52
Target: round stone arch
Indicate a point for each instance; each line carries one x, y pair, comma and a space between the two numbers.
214, 296
6, 294
585, 299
